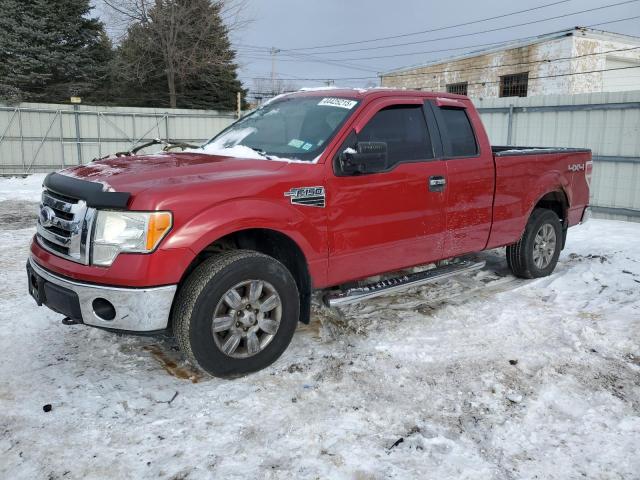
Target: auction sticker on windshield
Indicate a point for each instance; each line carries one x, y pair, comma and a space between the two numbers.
338, 102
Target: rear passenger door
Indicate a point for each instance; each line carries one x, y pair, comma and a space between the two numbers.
389, 220
470, 177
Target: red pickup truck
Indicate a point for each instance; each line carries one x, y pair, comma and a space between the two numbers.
315, 191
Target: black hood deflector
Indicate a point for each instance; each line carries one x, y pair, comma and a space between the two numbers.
90, 192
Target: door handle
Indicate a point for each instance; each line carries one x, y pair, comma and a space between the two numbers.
437, 183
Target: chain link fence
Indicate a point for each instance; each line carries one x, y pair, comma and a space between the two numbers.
47, 137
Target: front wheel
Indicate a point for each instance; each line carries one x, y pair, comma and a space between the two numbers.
236, 313
536, 253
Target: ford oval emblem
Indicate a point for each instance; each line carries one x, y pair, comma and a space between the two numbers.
46, 217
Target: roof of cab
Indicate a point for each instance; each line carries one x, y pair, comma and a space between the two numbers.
361, 93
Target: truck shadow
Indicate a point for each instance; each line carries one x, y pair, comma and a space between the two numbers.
327, 324
361, 318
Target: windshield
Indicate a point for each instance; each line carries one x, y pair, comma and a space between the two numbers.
296, 128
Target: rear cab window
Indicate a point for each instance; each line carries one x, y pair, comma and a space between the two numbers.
458, 137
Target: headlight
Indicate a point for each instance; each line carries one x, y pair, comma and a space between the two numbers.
132, 232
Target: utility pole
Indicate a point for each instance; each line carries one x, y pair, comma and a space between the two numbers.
274, 52
76, 113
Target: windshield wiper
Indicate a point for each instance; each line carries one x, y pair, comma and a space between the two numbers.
261, 152
168, 145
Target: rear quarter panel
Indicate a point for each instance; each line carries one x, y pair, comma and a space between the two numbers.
522, 180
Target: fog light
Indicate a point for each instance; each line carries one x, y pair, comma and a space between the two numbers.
104, 309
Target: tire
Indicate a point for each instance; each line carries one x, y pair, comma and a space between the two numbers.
207, 293
524, 257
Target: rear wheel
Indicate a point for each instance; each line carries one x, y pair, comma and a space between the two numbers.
536, 253
236, 313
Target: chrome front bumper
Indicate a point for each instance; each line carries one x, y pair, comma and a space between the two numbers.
136, 309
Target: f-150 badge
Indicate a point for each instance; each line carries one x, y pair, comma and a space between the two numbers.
308, 196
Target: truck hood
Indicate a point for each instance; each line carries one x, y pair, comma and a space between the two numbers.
134, 174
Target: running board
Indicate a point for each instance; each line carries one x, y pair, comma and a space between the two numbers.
397, 284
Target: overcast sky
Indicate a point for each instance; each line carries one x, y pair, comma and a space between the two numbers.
298, 24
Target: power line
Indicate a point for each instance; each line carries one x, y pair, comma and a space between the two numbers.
338, 63
335, 63
391, 37
504, 42
498, 81
626, 2
438, 29
257, 56
297, 57
479, 68
562, 75
422, 52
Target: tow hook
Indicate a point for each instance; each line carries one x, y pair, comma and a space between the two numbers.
70, 321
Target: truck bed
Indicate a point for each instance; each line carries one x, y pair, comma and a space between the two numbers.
523, 175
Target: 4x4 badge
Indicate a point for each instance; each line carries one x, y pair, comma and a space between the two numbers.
309, 196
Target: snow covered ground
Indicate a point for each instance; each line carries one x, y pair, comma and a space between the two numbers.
483, 377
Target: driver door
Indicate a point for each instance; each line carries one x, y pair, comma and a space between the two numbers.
389, 220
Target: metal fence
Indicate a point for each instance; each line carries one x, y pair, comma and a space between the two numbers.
46, 137
607, 123
43, 137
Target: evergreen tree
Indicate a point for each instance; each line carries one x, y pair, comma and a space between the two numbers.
180, 55
51, 50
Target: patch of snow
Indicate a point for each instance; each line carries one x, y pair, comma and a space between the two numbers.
273, 99
26, 189
97, 169
514, 397
238, 151
227, 146
516, 151
317, 89
355, 89
414, 385
94, 172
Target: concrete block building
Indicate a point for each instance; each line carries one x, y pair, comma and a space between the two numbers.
578, 60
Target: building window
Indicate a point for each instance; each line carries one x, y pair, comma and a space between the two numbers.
514, 85
457, 88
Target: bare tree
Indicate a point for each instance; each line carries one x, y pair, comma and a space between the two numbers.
266, 88
166, 28
122, 13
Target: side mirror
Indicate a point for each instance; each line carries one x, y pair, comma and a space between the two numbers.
367, 157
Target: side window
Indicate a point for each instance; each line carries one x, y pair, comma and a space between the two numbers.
461, 138
404, 129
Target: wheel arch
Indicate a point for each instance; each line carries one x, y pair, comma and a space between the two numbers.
271, 242
557, 201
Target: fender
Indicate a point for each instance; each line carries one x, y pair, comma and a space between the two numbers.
550, 182
510, 219
307, 228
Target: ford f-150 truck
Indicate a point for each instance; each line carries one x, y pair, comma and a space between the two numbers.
311, 194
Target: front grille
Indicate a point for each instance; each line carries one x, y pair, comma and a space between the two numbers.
64, 226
